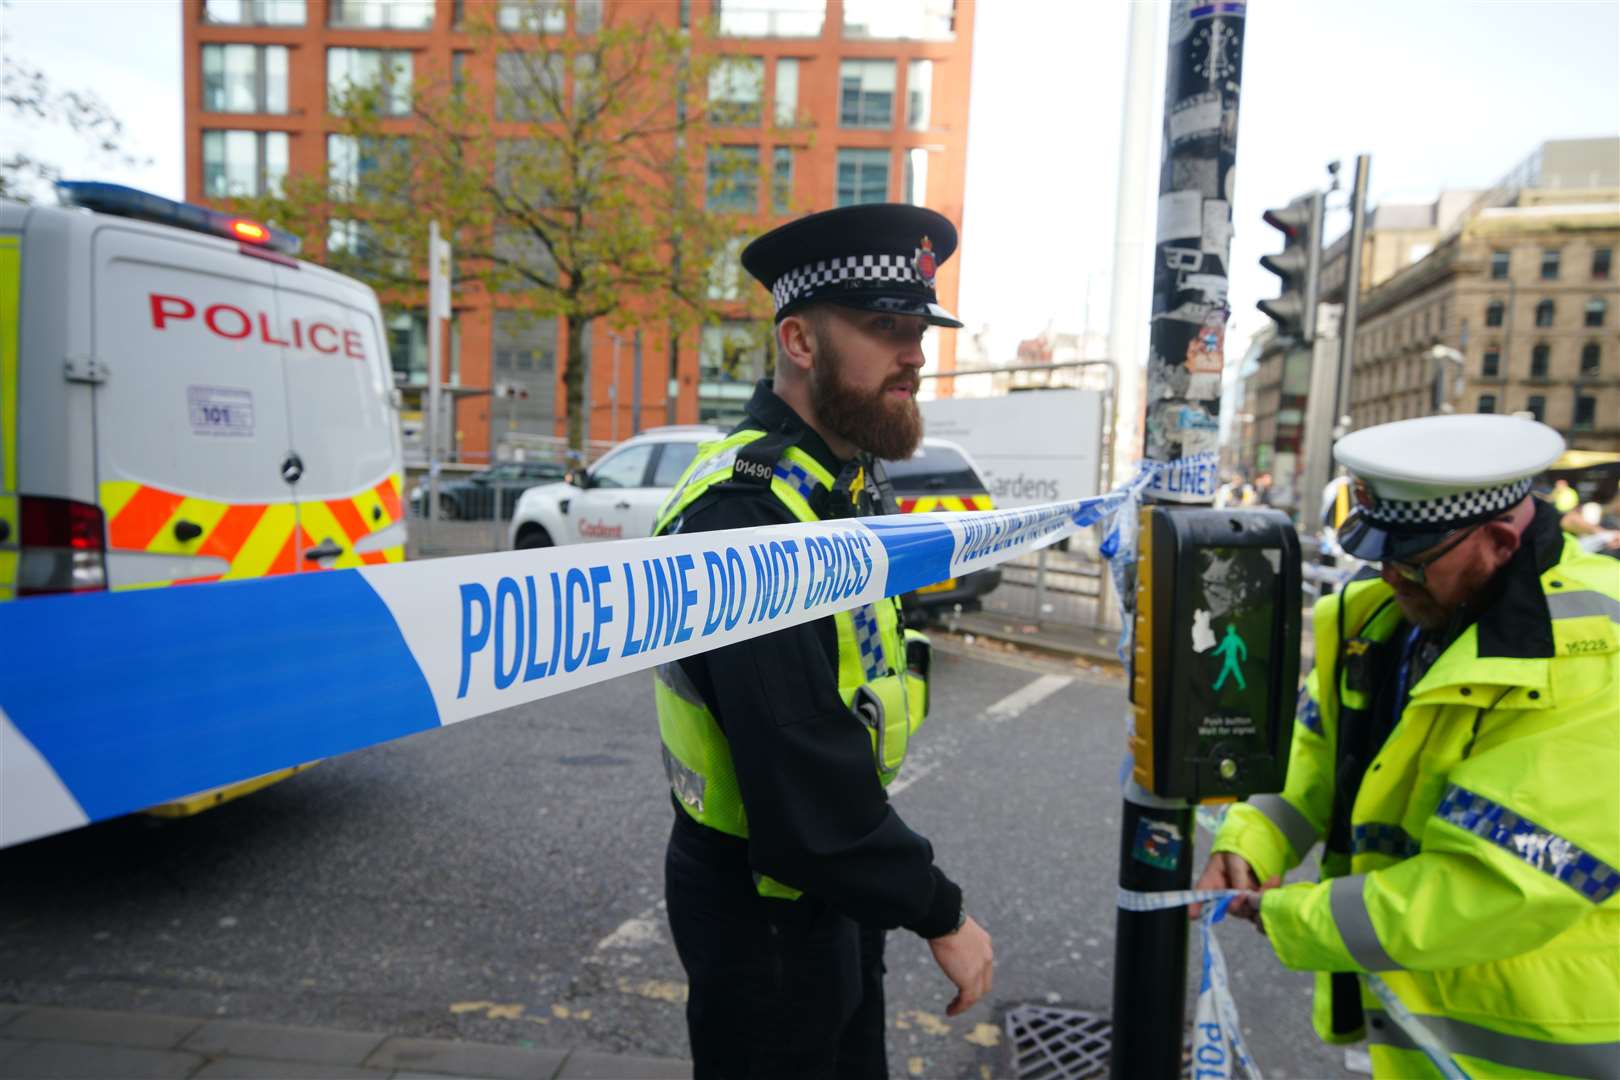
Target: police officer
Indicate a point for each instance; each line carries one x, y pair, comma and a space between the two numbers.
786, 863
1457, 754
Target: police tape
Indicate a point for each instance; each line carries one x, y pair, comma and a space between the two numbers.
114, 702
1217, 1035
1218, 1044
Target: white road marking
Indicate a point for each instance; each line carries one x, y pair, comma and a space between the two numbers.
637, 932
1015, 703
931, 752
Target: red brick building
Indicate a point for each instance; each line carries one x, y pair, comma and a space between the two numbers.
875, 91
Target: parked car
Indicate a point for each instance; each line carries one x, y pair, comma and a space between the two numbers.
941, 476
618, 498
472, 498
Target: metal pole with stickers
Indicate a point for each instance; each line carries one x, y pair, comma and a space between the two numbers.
1215, 613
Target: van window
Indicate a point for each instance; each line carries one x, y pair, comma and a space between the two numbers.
623, 468
673, 461
931, 469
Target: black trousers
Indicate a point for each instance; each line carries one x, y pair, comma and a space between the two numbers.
780, 989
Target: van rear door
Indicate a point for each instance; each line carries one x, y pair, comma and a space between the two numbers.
191, 427
344, 425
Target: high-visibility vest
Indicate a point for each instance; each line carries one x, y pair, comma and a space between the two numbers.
883, 691
1475, 871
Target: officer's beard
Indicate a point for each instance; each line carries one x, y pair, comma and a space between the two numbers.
884, 425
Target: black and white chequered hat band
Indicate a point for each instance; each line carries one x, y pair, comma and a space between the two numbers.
1460, 508
820, 276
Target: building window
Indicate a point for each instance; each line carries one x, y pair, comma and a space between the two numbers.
782, 180
1585, 411
725, 279
915, 178
243, 163
1487, 403
785, 105
771, 18
731, 356
408, 347
1536, 406
352, 163
1591, 358
524, 352
528, 85
244, 78
1493, 313
381, 14
736, 91
386, 71
1596, 309
920, 20
866, 93
1600, 264
1492, 366
1549, 264
1544, 313
522, 260
532, 16
863, 177
919, 94
587, 16
733, 179
254, 12
1499, 265
1539, 356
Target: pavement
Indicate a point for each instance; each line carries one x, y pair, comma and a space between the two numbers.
43, 1042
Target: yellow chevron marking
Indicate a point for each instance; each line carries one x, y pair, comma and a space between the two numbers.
115, 495
395, 554
197, 511
367, 503
925, 503
269, 536
398, 480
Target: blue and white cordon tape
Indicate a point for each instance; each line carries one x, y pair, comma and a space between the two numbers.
114, 702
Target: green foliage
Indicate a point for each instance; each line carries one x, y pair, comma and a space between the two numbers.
569, 173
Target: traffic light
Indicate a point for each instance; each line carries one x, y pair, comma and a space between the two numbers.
1217, 652
1298, 265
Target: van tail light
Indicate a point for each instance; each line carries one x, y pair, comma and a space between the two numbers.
64, 547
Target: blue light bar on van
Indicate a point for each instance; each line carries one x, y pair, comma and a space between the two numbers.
144, 206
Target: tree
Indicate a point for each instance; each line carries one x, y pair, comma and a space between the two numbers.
579, 183
26, 93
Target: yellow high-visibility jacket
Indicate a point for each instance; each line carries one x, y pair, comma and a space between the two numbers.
1475, 869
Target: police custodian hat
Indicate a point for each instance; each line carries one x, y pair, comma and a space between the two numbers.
1415, 481
877, 256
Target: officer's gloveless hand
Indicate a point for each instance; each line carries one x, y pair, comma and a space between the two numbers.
966, 959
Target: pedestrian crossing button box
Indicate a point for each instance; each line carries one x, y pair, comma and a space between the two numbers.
1215, 671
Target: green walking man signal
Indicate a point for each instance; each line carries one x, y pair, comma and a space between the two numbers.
1229, 647
1213, 717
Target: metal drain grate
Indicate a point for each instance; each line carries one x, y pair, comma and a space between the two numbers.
1058, 1044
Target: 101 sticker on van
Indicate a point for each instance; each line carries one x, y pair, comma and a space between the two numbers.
218, 410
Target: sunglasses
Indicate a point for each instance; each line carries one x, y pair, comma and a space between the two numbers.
1416, 570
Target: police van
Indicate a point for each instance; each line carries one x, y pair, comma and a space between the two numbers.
184, 401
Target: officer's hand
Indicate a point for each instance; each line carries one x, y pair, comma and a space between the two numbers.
966, 959
1229, 870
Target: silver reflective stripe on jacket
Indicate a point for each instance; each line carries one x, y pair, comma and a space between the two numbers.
1300, 833
1574, 605
1598, 1060
687, 784
677, 682
1355, 925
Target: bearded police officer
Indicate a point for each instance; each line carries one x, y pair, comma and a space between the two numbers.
786, 863
1457, 753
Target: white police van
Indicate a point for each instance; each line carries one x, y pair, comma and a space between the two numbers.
183, 401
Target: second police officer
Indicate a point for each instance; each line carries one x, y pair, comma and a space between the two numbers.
786, 863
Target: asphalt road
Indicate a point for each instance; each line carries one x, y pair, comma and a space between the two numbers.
501, 881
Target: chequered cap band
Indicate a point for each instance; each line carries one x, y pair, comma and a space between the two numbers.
827, 274
1461, 508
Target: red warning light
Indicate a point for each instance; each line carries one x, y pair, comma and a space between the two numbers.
251, 231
